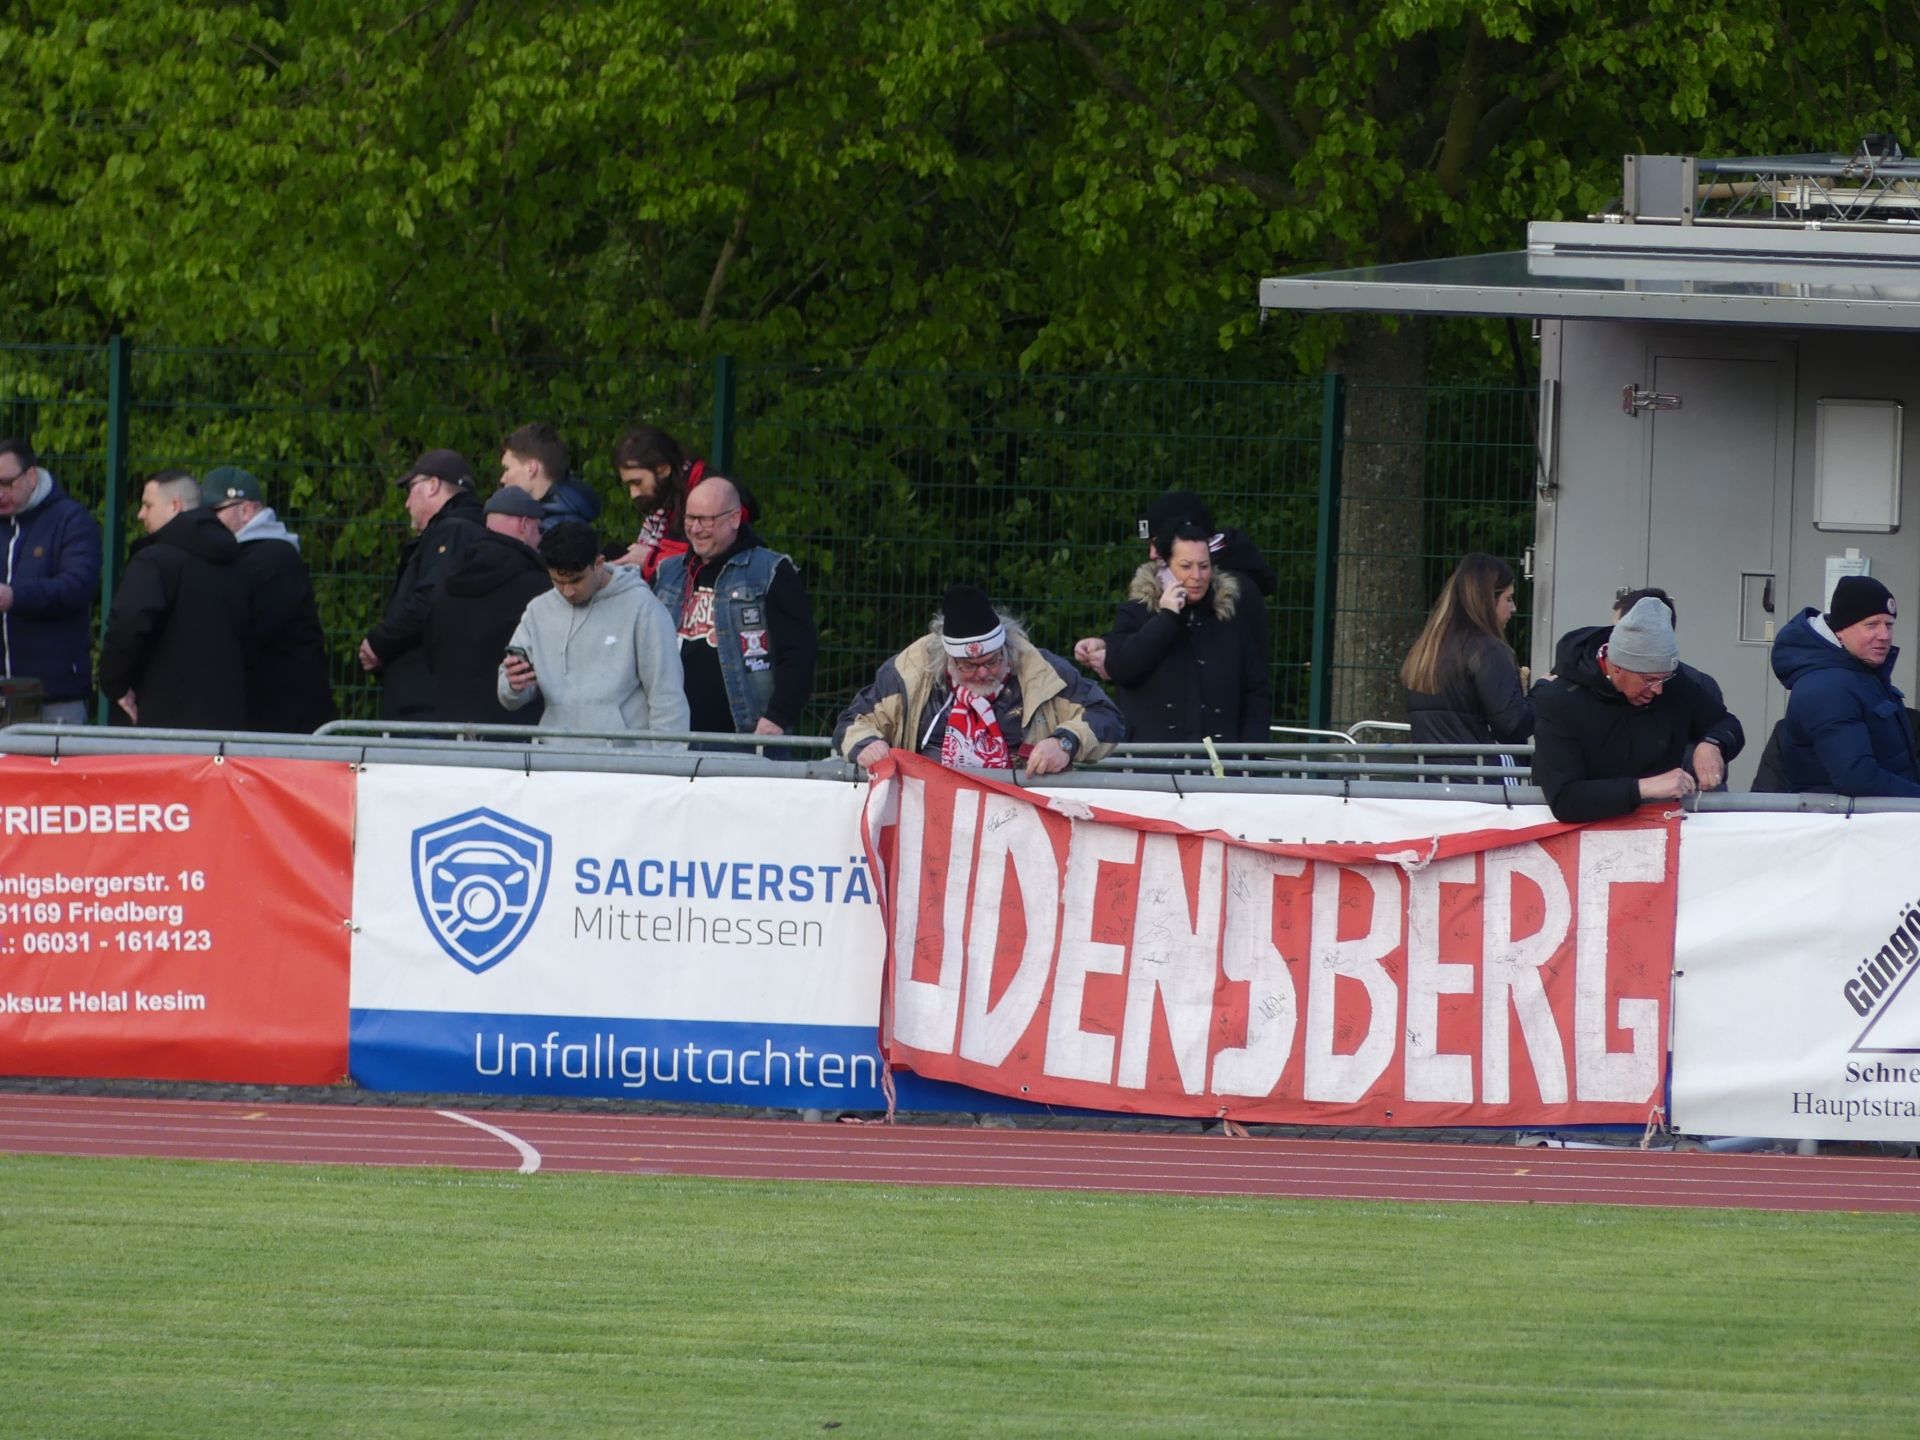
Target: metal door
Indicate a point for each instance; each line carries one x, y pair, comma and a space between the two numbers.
1714, 486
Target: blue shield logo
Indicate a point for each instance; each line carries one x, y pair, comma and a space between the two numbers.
480, 878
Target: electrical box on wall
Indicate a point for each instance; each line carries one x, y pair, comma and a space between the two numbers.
1856, 465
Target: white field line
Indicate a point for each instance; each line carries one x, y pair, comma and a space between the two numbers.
529, 1157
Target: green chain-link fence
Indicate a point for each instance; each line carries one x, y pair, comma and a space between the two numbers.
885, 486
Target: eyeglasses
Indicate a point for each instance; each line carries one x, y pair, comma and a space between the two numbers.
978, 667
16, 479
702, 522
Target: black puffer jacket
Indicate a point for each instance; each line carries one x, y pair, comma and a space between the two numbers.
406, 685
471, 619
1480, 700
1592, 747
1201, 672
177, 634
288, 689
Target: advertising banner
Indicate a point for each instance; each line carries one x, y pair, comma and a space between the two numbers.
175, 918
1795, 1015
637, 936
1047, 949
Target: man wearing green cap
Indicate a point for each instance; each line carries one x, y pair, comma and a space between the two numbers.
287, 685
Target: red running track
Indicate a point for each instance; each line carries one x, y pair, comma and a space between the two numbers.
913, 1155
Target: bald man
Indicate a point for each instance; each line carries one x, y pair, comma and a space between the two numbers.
747, 642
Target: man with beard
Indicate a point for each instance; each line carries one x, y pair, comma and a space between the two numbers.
974, 693
747, 642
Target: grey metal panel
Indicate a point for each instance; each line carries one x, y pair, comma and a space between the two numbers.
1706, 240
1681, 289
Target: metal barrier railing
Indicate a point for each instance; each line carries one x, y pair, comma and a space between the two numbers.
1289, 772
461, 732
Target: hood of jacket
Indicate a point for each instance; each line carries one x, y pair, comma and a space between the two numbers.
495, 560
199, 533
1235, 550
1806, 644
266, 526
1225, 593
1577, 660
571, 500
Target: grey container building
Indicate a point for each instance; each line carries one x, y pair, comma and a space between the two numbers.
1726, 363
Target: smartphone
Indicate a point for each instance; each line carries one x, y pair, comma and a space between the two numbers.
518, 652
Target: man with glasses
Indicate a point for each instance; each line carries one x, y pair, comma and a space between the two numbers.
747, 642
976, 694
49, 574
1621, 719
288, 690
447, 514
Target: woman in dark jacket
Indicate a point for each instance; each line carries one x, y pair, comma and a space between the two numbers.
1185, 651
1463, 684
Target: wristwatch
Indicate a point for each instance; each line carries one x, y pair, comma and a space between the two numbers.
1069, 742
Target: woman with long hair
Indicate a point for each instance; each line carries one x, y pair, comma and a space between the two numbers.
1187, 652
1463, 683
658, 473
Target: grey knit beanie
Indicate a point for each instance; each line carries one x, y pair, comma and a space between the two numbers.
1642, 640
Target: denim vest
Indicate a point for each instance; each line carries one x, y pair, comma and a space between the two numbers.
739, 624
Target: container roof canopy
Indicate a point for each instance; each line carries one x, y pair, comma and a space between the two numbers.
1855, 278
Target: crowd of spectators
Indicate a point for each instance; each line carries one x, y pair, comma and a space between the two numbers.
518, 610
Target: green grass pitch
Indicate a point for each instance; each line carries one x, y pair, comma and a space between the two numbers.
144, 1298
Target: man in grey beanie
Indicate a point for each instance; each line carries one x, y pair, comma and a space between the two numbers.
1620, 720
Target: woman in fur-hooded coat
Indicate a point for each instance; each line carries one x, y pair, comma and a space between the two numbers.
1191, 665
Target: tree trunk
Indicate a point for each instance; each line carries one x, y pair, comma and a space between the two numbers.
1381, 605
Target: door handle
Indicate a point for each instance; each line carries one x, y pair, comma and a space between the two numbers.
1766, 596
1633, 400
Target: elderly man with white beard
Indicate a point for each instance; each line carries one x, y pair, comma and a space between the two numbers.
975, 694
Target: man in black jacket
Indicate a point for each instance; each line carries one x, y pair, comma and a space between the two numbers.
1619, 721
287, 686
175, 652
443, 508
478, 606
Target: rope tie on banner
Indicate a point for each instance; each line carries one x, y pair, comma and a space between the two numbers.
56, 749
886, 1089
1219, 770
1656, 1124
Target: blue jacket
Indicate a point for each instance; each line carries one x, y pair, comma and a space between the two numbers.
570, 500
50, 555
1846, 730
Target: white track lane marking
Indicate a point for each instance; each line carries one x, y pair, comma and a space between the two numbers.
529, 1157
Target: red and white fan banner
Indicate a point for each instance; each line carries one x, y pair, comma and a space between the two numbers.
1042, 948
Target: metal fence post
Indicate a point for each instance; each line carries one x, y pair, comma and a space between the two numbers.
724, 383
113, 515
1333, 444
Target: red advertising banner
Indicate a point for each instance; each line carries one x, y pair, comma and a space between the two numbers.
1077, 956
175, 918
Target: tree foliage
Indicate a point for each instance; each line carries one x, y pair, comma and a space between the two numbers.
946, 182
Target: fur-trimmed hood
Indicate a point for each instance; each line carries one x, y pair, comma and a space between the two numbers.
1225, 593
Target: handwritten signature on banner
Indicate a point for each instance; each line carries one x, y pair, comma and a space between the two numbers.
1072, 955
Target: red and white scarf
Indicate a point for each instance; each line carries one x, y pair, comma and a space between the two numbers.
973, 740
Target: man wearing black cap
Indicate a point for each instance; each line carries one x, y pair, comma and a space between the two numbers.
1846, 731
1231, 549
476, 609
287, 686
976, 694
446, 513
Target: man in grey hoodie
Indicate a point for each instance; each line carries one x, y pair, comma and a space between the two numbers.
598, 647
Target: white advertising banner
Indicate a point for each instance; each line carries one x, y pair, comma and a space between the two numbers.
621, 935
1793, 1015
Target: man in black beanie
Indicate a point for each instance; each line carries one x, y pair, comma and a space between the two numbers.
975, 694
1846, 731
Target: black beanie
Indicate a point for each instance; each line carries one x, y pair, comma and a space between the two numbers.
970, 625
1855, 598
1177, 508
